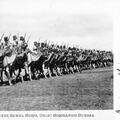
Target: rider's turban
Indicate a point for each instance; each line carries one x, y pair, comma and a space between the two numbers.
14, 37
22, 38
6, 39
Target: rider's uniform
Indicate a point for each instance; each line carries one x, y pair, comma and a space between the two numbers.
7, 47
15, 46
21, 46
37, 49
7, 50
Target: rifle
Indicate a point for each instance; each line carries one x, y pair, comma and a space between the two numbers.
1, 37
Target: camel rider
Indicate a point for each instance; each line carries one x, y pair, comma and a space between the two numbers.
23, 44
7, 46
37, 48
15, 44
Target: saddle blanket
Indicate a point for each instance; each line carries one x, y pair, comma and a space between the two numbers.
8, 60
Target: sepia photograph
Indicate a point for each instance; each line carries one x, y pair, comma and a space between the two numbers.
56, 55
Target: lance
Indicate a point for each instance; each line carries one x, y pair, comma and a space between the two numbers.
18, 36
67, 45
56, 44
73, 45
38, 40
62, 43
48, 42
24, 35
1, 37
9, 36
45, 41
52, 43
28, 38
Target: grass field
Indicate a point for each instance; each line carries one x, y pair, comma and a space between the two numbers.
89, 90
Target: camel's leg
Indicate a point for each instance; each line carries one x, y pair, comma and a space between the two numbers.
44, 71
1, 75
8, 76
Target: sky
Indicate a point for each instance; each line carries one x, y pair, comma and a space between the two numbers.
83, 23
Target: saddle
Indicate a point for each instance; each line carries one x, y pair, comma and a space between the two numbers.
69, 59
1, 53
9, 59
7, 52
35, 56
80, 58
4, 55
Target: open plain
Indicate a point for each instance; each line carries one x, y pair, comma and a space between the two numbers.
89, 90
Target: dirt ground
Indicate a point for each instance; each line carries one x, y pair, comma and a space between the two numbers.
89, 90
